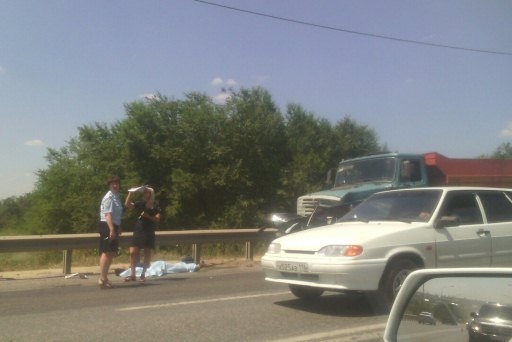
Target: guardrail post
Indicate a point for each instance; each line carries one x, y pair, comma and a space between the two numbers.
249, 253
196, 252
67, 257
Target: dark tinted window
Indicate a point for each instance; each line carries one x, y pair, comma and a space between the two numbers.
497, 206
496, 311
463, 207
410, 171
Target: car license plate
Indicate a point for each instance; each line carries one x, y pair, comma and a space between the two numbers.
293, 267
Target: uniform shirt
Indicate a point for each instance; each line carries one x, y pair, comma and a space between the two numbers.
111, 203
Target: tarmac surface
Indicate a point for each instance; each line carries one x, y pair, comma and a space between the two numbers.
55, 277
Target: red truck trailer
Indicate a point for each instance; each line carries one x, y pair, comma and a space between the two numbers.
476, 172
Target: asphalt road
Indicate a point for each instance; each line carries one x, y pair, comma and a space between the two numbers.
214, 304
414, 332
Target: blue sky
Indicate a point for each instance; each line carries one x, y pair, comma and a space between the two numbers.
65, 64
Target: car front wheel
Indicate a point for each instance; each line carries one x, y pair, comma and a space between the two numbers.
394, 277
305, 292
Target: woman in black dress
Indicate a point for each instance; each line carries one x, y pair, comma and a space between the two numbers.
144, 231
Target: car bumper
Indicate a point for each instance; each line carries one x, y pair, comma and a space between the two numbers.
326, 273
482, 337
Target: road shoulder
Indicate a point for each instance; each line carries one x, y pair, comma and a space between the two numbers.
86, 275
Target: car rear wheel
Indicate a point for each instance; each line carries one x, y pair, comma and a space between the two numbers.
305, 292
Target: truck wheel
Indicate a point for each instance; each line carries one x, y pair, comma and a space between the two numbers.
305, 292
393, 278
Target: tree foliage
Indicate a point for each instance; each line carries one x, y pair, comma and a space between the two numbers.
211, 165
504, 151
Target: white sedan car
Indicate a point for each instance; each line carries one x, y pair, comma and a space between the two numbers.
376, 245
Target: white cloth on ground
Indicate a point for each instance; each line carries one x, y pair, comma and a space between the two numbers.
160, 268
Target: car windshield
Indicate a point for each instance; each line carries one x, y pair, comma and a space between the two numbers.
407, 206
493, 311
363, 171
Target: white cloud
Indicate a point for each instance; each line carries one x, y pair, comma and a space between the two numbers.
221, 98
217, 81
231, 83
226, 86
507, 132
149, 96
34, 143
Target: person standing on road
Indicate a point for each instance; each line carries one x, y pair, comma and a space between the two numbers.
144, 231
111, 211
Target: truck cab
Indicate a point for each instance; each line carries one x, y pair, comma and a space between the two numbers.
356, 179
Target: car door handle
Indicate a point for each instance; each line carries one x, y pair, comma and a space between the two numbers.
483, 232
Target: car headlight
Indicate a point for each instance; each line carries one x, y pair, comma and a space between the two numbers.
274, 248
340, 250
475, 327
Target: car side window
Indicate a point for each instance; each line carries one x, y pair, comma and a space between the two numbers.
497, 206
463, 207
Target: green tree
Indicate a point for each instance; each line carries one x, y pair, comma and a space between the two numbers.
504, 151
211, 165
193, 147
175, 146
309, 144
255, 156
12, 214
67, 194
353, 140
148, 135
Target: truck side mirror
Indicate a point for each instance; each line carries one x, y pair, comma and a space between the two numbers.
331, 177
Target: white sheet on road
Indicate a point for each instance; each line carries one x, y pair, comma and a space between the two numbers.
160, 268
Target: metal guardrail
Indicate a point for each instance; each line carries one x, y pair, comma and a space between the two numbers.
69, 242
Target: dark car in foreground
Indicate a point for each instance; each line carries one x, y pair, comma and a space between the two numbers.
493, 322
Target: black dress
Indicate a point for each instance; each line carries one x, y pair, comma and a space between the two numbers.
144, 231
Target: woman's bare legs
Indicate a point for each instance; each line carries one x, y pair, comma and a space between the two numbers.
134, 260
147, 263
105, 262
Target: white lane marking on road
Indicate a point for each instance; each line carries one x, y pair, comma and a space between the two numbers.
335, 335
201, 301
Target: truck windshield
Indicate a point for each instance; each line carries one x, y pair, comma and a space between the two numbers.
406, 206
365, 171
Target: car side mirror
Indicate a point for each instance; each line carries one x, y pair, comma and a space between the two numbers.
456, 304
447, 221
